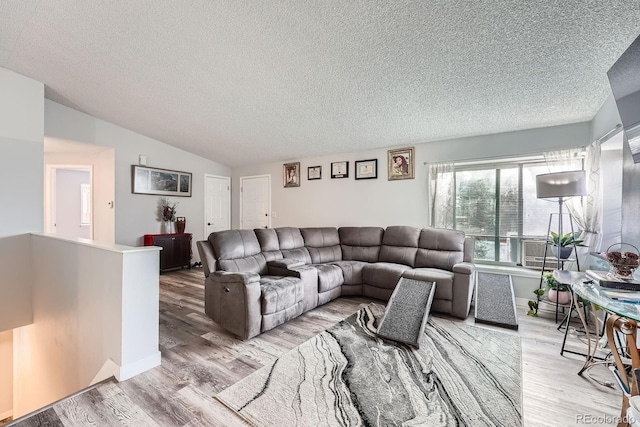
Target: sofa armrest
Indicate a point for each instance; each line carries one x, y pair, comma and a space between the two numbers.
285, 263
463, 283
230, 277
207, 257
464, 268
233, 301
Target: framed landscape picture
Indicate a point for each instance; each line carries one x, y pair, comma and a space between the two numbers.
164, 182
340, 170
291, 173
314, 172
367, 169
401, 164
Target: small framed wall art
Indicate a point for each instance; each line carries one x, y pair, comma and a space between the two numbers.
401, 164
291, 174
164, 182
340, 170
314, 172
367, 169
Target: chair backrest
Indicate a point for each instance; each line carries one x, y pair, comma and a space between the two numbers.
400, 245
323, 244
292, 244
238, 250
360, 243
440, 248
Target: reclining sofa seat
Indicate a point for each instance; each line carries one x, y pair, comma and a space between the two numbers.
324, 263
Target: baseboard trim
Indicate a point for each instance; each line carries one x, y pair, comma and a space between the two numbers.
7, 414
135, 368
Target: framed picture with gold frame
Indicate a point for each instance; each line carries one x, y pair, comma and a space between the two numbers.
401, 163
291, 174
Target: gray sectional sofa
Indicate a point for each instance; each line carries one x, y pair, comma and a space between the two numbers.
259, 279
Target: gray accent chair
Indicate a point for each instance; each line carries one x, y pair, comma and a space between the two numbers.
258, 279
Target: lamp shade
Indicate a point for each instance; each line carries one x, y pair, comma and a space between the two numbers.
561, 184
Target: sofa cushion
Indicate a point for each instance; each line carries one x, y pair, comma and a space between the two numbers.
351, 271
400, 245
268, 239
329, 276
443, 279
232, 244
323, 244
280, 293
289, 238
383, 274
440, 248
360, 243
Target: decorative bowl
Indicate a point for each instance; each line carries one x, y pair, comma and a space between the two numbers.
623, 260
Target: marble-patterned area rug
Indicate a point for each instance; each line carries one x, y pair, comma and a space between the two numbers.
462, 375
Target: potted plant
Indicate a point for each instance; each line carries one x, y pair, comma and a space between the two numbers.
565, 243
556, 292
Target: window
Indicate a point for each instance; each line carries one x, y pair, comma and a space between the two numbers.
497, 204
85, 204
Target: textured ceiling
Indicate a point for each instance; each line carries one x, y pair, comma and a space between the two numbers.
243, 82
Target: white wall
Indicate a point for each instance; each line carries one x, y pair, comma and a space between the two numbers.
21, 141
6, 374
135, 214
379, 202
103, 163
92, 304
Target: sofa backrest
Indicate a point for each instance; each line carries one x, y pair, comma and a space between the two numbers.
400, 245
292, 244
440, 248
269, 243
238, 250
360, 243
323, 244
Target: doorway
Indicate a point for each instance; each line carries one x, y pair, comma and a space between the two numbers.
217, 203
255, 202
70, 201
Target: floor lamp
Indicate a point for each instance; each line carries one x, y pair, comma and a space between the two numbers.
561, 185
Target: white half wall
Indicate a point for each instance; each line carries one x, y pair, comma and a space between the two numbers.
135, 214
93, 304
379, 202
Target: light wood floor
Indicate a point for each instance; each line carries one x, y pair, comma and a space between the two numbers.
199, 359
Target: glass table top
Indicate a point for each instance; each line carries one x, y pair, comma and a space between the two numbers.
598, 295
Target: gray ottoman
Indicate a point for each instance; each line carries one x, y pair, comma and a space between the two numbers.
407, 311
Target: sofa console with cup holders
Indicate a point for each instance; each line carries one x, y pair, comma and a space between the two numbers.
258, 279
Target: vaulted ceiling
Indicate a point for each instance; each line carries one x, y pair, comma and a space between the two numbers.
243, 82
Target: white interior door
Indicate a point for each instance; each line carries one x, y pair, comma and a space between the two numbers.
217, 204
73, 203
255, 202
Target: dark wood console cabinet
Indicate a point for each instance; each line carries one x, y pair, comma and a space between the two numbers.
176, 249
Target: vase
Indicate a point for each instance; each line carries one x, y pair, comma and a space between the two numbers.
565, 251
167, 227
181, 223
561, 297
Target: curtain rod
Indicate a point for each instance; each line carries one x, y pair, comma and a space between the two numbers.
609, 134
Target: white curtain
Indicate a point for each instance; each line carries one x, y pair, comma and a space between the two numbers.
442, 191
587, 210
